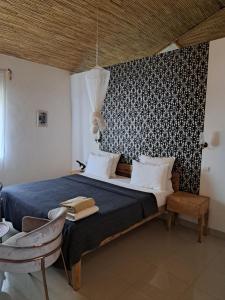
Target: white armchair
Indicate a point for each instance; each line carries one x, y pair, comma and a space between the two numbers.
37, 247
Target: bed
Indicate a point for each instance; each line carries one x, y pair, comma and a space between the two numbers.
121, 209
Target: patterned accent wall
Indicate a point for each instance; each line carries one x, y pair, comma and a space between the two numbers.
155, 106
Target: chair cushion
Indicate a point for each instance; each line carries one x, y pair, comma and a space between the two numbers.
12, 241
47, 232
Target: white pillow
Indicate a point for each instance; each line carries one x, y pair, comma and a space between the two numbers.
99, 166
114, 156
160, 161
149, 175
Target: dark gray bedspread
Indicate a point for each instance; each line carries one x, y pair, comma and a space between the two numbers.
119, 208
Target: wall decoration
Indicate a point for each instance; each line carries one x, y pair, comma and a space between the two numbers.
155, 106
42, 118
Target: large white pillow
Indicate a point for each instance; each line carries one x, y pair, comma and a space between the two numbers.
149, 175
114, 156
99, 166
160, 161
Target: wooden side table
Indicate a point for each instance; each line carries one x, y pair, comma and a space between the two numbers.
195, 206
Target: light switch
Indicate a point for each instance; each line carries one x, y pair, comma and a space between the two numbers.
206, 169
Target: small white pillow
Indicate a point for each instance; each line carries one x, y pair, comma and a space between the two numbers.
149, 176
114, 156
99, 166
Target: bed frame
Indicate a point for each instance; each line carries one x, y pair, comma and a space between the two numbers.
123, 170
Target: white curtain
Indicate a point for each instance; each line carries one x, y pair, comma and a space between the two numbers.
97, 80
2, 119
82, 139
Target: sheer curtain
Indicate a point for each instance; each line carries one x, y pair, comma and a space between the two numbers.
88, 91
82, 139
97, 80
2, 119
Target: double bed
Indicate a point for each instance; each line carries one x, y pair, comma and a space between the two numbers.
122, 207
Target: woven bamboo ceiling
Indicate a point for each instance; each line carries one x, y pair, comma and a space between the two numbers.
62, 33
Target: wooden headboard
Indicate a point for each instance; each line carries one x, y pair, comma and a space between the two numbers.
126, 169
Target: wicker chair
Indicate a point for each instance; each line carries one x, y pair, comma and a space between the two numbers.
37, 247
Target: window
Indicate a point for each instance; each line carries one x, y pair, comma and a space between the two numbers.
2, 115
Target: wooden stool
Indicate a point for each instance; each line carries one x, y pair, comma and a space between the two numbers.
192, 205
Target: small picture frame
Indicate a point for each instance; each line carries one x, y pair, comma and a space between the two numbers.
42, 118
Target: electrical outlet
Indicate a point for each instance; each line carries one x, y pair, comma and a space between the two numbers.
206, 169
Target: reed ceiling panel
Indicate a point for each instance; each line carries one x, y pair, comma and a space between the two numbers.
62, 33
210, 29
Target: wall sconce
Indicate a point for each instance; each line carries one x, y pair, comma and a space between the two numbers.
215, 139
98, 137
202, 141
9, 71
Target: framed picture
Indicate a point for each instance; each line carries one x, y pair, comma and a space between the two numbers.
42, 118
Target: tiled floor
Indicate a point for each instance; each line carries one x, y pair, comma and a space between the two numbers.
148, 263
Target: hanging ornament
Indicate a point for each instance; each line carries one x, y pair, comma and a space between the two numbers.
97, 81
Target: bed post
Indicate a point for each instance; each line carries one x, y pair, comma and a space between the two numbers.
76, 275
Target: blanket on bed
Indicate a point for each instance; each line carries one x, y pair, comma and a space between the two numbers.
119, 208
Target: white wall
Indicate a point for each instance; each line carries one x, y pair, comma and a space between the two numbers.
213, 180
36, 153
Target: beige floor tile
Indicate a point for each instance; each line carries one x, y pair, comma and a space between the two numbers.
101, 256
183, 233
214, 242
132, 294
160, 285
126, 246
26, 287
200, 253
130, 270
101, 284
22, 286
5, 296
195, 294
218, 263
210, 243
186, 270
212, 283
156, 247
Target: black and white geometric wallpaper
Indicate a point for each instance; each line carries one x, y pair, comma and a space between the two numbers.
155, 106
